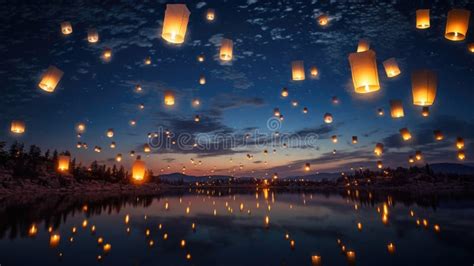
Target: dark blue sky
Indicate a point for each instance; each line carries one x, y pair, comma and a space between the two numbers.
239, 97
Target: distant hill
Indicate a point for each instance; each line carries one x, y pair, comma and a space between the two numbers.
452, 168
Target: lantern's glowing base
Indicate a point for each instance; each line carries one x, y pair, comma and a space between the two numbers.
225, 57
172, 37
423, 103
367, 89
454, 36
46, 87
422, 26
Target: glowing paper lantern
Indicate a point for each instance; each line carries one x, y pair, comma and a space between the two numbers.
210, 14
17, 127
461, 155
422, 19
418, 155
66, 27
80, 128
63, 163
148, 60
438, 135
425, 111
276, 112
118, 158
200, 58
226, 51
92, 36
284, 92
169, 98
138, 170
314, 72
459, 143
323, 20
364, 45
364, 72
405, 134
110, 133
202, 80
378, 149
175, 23
307, 167
334, 139
423, 83
354, 140
113, 145
146, 148
457, 24
379, 164
328, 118
470, 47
54, 240
396, 109
197, 118
315, 260
107, 54
50, 79
297, 70
380, 112
391, 67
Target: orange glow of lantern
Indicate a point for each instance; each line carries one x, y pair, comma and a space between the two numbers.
391, 67
460, 143
422, 19
438, 135
323, 20
334, 139
284, 93
328, 118
396, 109
457, 24
364, 45
297, 70
63, 162
405, 134
424, 83
50, 79
391, 248
138, 170
314, 72
470, 47
365, 76
92, 36
80, 127
107, 248
118, 158
148, 60
418, 155
315, 260
227, 50
32, 231
17, 127
110, 133
202, 80
169, 98
66, 27
425, 111
175, 23
54, 240
200, 58
307, 167
146, 148
355, 140
210, 14
107, 54
378, 149
379, 164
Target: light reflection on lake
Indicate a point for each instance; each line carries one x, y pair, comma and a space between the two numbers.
238, 228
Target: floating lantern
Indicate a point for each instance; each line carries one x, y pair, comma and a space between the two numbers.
200, 58
110, 133
80, 128
141, 106
307, 167
197, 118
97, 149
364, 45
54, 240
334, 139
297, 70
118, 158
391, 248
405, 134
226, 51
63, 163
17, 127
210, 14
379, 164
92, 36
107, 247
378, 149
328, 118
335, 100
146, 148
425, 111
202, 80
148, 60
396, 109
32, 231
138, 170
418, 155
138, 88
391, 67
107, 54
284, 93
460, 143
305, 110
364, 72
436, 228
355, 140
66, 27
196, 102
292, 244
169, 98
294, 103
457, 24
350, 255
438, 135
314, 72
470, 47
315, 260
132, 123
380, 112
175, 23
422, 19
323, 20
50, 79
424, 83
359, 226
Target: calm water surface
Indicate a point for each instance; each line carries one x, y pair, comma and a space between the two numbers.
254, 227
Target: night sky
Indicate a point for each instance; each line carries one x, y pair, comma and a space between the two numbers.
238, 97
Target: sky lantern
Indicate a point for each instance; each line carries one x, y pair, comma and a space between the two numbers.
196, 102
323, 20
418, 155
138, 170
118, 158
379, 164
305, 110
459, 143
461, 155
364, 45
63, 163
422, 19
335, 100
17, 127
470, 47
425, 111
146, 148
391, 248
457, 24
378, 149
297, 70
314, 72
438, 135
66, 27
113, 145
423, 84
197, 118
92, 36
210, 14
396, 109
80, 127
201, 58
391, 67
405, 134
110, 133
307, 167
202, 80
334, 139
50, 79
276, 112
380, 112
315, 260
148, 60
54, 240
354, 140
107, 54
284, 92
169, 98
226, 51
138, 88
328, 118
364, 72
175, 23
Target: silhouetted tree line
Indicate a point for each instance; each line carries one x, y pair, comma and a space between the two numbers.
32, 163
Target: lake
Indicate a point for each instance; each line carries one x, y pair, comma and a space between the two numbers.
238, 227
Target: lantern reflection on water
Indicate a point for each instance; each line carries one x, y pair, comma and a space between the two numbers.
175, 23
459, 143
315, 260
